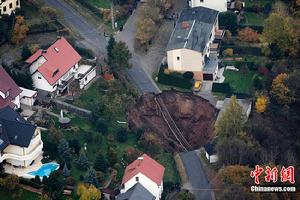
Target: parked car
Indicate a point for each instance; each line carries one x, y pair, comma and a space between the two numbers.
197, 86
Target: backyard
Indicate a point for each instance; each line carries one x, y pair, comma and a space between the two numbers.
25, 195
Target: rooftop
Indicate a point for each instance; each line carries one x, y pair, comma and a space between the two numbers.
193, 29
137, 192
147, 166
60, 58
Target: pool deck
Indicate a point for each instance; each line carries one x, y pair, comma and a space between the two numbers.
19, 171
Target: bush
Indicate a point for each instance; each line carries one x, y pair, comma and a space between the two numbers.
263, 70
228, 52
188, 75
87, 53
26, 53
122, 135
174, 79
257, 28
30, 183
228, 20
222, 88
101, 126
243, 50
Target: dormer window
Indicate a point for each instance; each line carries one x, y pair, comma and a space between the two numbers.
137, 179
56, 49
7, 94
54, 73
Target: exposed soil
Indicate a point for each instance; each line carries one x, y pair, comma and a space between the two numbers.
194, 116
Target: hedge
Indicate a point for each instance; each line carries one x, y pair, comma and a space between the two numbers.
90, 7
87, 53
243, 50
221, 88
257, 28
174, 79
30, 183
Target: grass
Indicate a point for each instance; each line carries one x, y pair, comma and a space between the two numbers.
171, 174
100, 3
240, 82
5, 195
254, 18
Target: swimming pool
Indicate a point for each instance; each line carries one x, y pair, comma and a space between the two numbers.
45, 170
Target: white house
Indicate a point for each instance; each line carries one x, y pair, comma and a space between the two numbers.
54, 69
9, 6
85, 74
210, 153
147, 172
191, 46
9, 91
20, 141
219, 5
27, 97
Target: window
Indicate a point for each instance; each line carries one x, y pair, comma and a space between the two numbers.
4, 9
85, 79
123, 186
39, 77
137, 179
178, 58
54, 86
201, 1
10, 5
17, 3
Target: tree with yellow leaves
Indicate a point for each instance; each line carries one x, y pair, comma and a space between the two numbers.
20, 30
235, 174
88, 192
261, 103
280, 90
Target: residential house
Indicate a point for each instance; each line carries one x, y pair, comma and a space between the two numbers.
147, 172
9, 91
193, 44
54, 69
210, 152
219, 5
137, 192
9, 6
20, 141
28, 97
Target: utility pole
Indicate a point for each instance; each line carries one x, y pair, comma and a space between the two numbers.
112, 15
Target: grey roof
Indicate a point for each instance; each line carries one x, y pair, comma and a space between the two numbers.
15, 129
137, 192
211, 65
195, 36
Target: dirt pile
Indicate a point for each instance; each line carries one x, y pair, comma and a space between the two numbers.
194, 116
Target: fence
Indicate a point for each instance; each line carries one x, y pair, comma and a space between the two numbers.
81, 112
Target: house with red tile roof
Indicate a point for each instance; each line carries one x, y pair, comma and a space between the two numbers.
9, 91
54, 69
146, 171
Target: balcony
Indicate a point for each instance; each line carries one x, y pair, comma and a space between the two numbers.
64, 84
219, 35
214, 48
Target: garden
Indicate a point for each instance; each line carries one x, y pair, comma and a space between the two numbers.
105, 145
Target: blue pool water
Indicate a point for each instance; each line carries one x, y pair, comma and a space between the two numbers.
45, 170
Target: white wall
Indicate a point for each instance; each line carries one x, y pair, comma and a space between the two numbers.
152, 187
189, 60
85, 80
42, 83
17, 101
219, 5
7, 5
211, 158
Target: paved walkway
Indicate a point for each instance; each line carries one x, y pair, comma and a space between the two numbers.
198, 182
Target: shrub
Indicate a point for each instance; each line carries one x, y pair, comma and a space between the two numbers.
174, 79
263, 70
257, 28
101, 126
228, 52
248, 35
26, 53
222, 88
188, 75
87, 53
122, 135
228, 20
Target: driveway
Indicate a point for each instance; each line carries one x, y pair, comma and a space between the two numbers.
95, 40
197, 180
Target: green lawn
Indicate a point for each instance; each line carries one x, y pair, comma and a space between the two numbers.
254, 18
100, 3
171, 173
239, 82
26, 195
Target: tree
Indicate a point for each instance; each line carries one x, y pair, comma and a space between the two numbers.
91, 177
132, 154
232, 121
100, 163
110, 46
101, 126
53, 185
82, 162
20, 30
150, 11
26, 53
185, 195
232, 190
74, 87
146, 30
261, 103
121, 56
228, 52
122, 135
88, 192
280, 30
66, 171
228, 20
55, 134
248, 35
64, 150
280, 90
10, 182
293, 83
112, 156
75, 145
50, 12
235, 174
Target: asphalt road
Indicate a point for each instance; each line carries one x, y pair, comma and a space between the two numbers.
94, 39
197, 180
